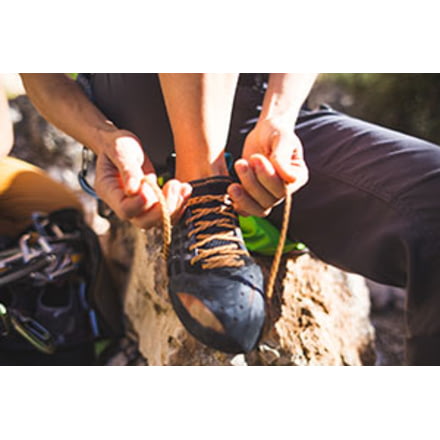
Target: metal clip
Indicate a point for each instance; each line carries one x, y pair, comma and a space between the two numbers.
82, 175
33, 332
40, 222
11, 259
5, 323
23, 243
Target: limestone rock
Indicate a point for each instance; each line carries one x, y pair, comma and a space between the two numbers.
320, 315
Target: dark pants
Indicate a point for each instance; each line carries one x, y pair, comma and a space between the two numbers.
372, 204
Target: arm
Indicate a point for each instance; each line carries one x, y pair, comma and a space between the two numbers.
61, 101
272, 159
285, 95
6, 133
121, 163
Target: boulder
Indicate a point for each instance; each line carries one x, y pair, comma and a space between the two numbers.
319, 314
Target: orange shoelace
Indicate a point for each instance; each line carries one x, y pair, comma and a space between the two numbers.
227, 255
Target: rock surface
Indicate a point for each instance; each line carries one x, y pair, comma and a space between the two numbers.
319, 317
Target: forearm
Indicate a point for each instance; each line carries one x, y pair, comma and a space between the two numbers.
285, 95
63, 103
6, 133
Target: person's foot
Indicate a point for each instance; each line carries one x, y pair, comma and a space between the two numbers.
216, 288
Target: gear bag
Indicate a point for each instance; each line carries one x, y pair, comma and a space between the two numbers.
55, 290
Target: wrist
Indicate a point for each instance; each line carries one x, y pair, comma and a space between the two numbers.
276, 123
106, 138
277, 109
187, 170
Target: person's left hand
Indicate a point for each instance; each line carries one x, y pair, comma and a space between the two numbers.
272, 167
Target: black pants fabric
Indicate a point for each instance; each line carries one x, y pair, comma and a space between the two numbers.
371, 206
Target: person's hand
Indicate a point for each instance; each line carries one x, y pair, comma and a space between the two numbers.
120, 171
272, 167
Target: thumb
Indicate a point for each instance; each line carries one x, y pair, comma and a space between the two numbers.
286, 149
128, 157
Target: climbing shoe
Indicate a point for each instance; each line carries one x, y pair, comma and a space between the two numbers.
216, 288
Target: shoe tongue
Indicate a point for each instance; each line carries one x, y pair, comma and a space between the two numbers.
212, 185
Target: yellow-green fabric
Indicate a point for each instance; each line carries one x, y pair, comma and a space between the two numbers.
262, 237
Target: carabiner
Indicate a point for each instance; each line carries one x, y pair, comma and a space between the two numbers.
33, 332
82, 175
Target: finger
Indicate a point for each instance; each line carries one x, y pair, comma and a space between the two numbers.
302, 176
267, 176
114, 196
124, 206
252, 185
241, 212
147, 191
172, 193
108, 187
129, 158
185, 194
132, 206
176, 194
149, 219
286, 152
147, 166
245, 204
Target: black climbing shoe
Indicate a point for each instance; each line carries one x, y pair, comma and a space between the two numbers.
216, 288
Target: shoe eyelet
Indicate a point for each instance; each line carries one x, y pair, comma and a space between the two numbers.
227, 200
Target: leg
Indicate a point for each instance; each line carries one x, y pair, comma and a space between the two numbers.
25, 189
372, 207
199, 107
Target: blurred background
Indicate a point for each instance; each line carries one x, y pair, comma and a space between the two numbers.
407, 102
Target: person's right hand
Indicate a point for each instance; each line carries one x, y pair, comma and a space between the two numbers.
120, 171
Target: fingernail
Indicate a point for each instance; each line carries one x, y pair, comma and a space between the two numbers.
258, 165
131, 186
242, 167
235, 191
186, 190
